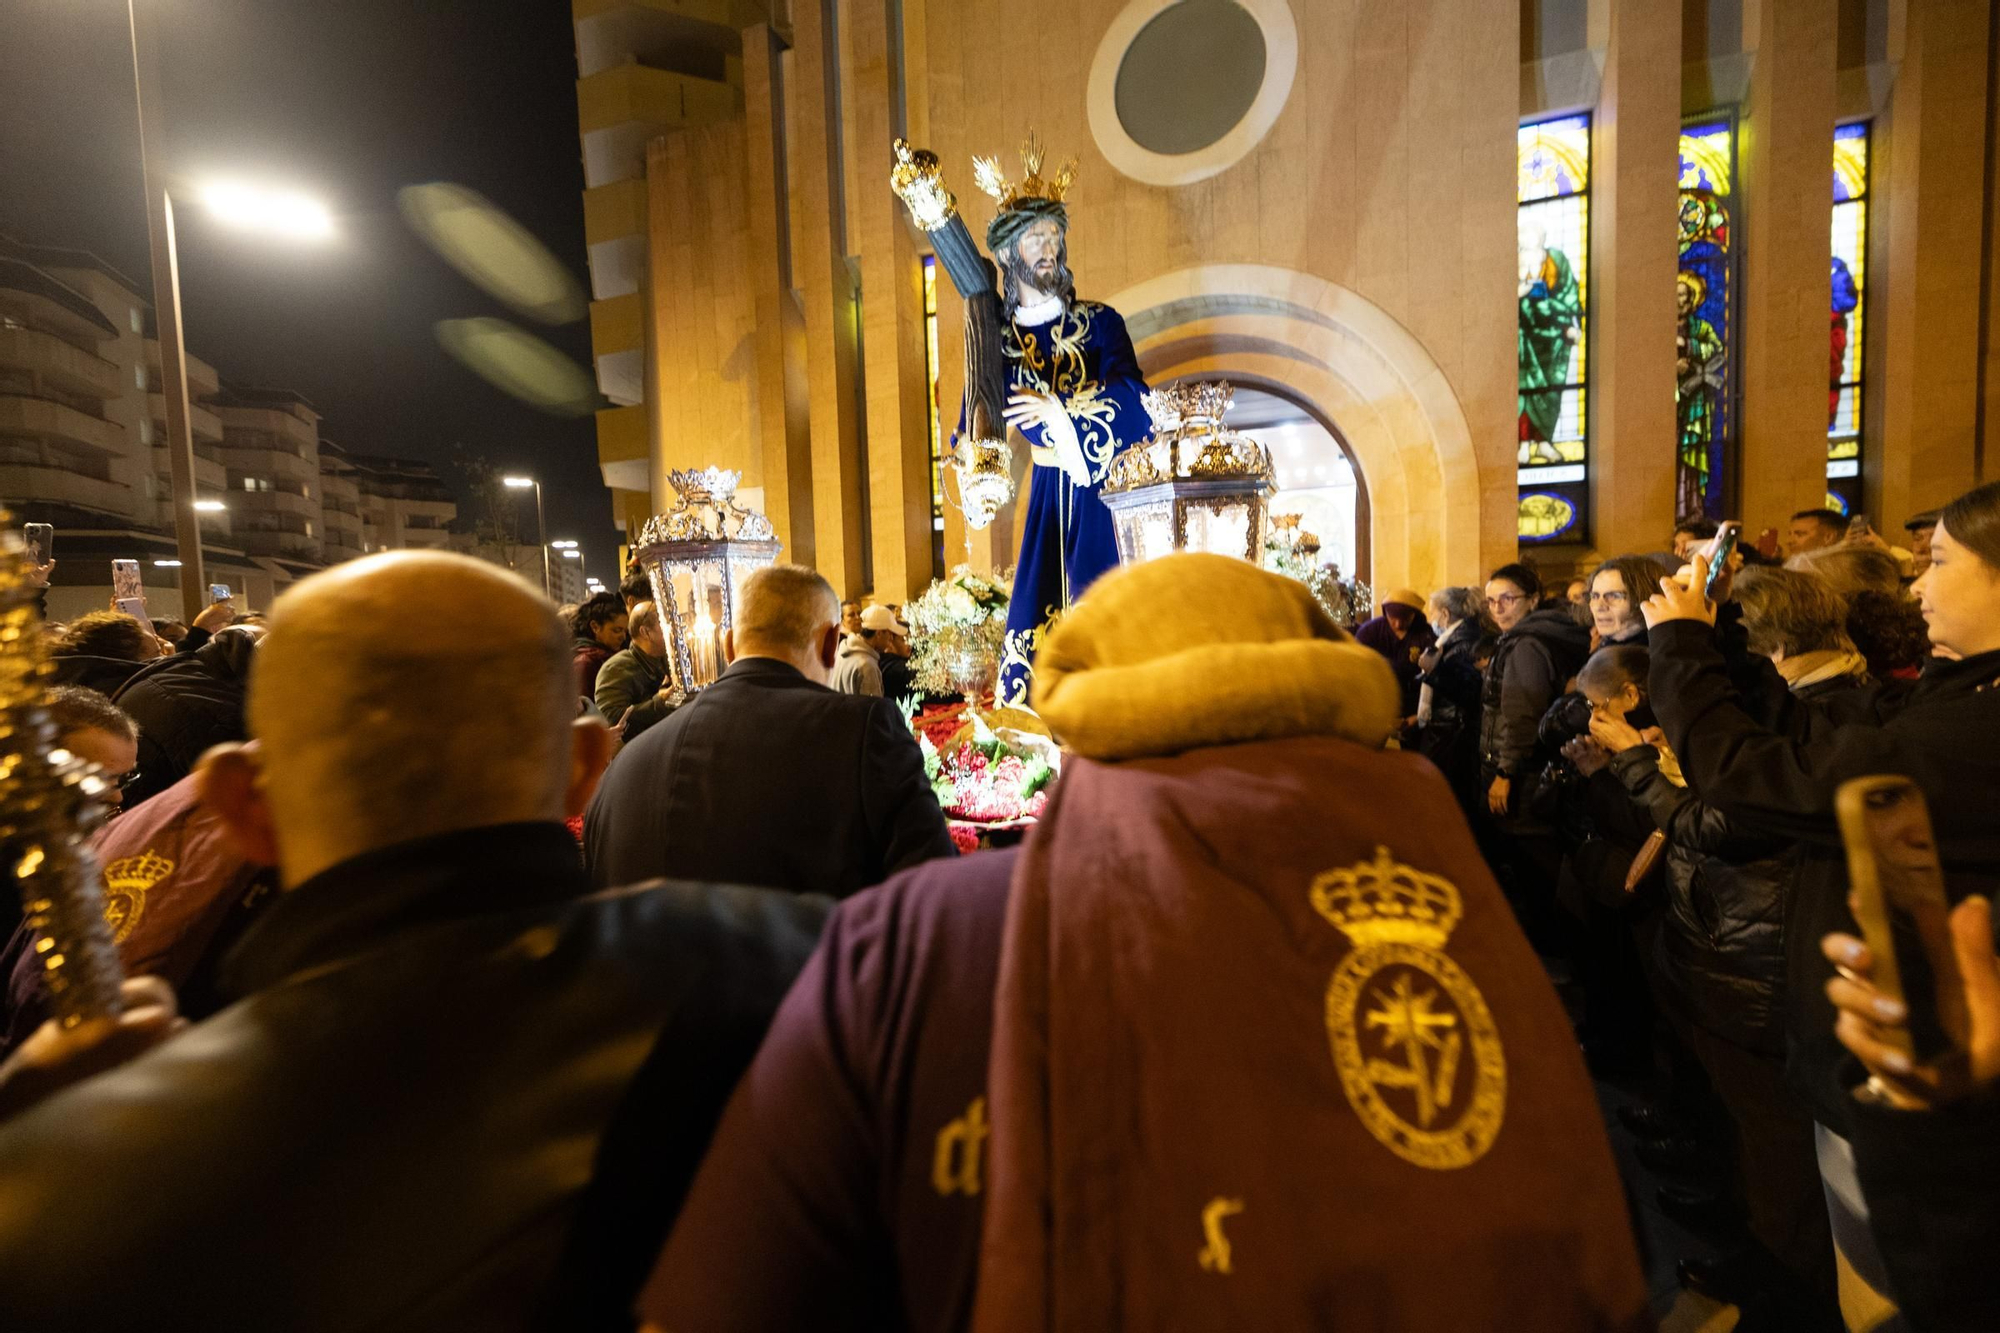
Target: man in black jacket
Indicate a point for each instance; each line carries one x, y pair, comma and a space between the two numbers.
185, 704
767, 777
454, 1089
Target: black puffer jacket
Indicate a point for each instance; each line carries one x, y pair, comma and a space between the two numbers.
1720, 947
1531, 664
184, 704
1944, 732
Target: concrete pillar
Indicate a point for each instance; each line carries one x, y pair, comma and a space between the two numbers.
1785, 156
1935, 201
897, 383
820, 269
1634, 195
782, 427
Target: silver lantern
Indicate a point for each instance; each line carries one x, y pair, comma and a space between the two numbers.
1195, 485
696, 557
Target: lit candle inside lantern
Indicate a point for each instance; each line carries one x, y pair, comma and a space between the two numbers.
703, 647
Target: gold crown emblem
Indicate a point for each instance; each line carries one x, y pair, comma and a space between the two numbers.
1385, 902
137, 874
987, 175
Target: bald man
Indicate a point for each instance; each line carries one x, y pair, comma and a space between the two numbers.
768, 777
454, 1088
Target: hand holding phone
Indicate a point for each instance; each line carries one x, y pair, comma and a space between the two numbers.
1720, 550
1897, 894
41, 540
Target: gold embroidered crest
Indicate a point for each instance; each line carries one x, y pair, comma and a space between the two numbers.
1415, 1046
126, 883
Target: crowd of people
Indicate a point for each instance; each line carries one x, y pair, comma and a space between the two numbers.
489, 976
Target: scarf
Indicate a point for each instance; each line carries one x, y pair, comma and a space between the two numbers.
1198, 1121
1827, 664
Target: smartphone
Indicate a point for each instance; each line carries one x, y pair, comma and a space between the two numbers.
126, 585
1859, 526
1899, 901
1720, 547
41, 539
218, 592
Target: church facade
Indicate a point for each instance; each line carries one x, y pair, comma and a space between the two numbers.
1543, 275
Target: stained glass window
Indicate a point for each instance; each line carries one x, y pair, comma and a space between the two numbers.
1553, 234
1850, 289
931, 368
1703, 329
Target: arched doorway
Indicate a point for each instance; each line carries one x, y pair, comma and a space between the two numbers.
1431, 510
1316, 474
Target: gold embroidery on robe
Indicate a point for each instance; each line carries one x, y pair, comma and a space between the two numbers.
1416, 1048
126, 883
961, 1145
1215, 1255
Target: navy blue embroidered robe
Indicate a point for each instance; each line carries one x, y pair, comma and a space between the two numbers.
1085, 358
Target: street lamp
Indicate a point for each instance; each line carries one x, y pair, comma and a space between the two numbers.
265, 210
209, 506
541, 526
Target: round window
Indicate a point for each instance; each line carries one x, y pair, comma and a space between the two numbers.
1190, 75
1182, 89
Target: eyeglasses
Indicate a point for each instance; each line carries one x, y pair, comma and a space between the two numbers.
122, 780
1505, 599
1607, 598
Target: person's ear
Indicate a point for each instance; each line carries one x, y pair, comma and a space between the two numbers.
829, 647
729, 645
229, 781
590, 750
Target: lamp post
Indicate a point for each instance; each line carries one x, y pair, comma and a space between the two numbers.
247, 207
541, 527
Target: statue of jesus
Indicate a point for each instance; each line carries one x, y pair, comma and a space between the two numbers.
1074, 392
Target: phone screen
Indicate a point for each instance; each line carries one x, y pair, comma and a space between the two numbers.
218, 592
1719, 551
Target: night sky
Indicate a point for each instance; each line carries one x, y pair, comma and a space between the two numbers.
348, 100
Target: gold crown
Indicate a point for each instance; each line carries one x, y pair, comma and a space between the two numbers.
1385, 902
987, 175
137, 874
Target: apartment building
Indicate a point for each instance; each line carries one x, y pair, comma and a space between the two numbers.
83, 447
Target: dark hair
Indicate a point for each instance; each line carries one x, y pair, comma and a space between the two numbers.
636, 586
600, 609
1916, 522
1827, 518
1790, 611
106, 634
72, 708
173, 631
1612, 668
1641, 575
1889, 630
1697, 526
1973, 520
1520, 576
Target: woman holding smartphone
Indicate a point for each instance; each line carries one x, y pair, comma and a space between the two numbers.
1942, 731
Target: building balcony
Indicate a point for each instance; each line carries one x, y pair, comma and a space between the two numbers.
621, 109
279, 465
45, 419
209, 475
67, 368
206, 426
425, 539
26, 482
201, 376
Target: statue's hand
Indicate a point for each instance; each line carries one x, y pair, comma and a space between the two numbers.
1031, 406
